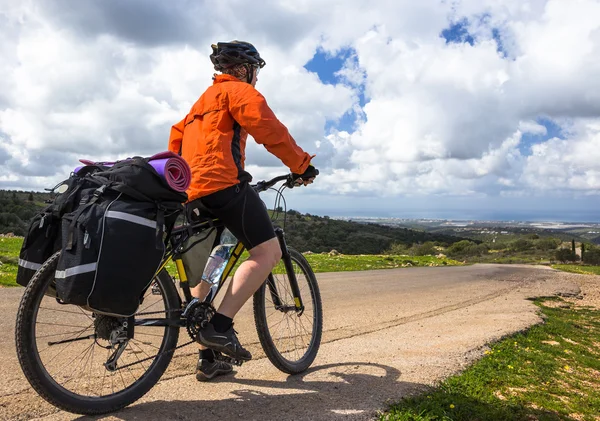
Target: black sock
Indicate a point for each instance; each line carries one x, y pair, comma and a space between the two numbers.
221, 323
207, 354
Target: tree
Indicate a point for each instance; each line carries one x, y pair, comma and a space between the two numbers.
30, 198
582, 250
573, 245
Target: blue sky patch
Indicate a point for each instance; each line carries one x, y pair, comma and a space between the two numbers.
530, 139
325, 66
498, 39
458, 33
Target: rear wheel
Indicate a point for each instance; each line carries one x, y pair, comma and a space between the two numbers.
289, 337
64, 349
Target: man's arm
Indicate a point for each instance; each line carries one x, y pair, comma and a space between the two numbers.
176, 137
251, 111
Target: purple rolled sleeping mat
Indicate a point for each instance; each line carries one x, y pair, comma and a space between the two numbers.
168, 165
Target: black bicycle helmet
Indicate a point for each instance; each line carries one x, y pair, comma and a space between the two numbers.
229, 54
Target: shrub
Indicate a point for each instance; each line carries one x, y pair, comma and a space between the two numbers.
592, 256
546, 244
521, 245
427, 248
397, 248
566, 255
466, 248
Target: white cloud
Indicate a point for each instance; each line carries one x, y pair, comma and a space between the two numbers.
440, 118
567, 164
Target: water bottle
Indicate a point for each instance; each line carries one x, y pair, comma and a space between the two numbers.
217, 261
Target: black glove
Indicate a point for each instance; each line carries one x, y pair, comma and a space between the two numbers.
311, 172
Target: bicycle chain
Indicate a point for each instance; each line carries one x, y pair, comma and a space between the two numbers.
158, 312
154, 356
160, 353
222, 357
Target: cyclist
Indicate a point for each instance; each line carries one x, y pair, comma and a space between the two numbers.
212, 139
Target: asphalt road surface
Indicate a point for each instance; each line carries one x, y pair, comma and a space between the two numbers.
387, 334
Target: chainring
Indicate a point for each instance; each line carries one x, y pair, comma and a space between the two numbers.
198, 315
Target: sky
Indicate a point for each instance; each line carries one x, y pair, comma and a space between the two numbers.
474, 109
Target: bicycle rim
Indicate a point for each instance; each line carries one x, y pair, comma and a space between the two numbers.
71, 374
290, 339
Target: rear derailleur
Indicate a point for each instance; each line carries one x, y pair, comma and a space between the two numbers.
117, 333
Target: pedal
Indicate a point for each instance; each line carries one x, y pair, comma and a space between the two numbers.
226, 358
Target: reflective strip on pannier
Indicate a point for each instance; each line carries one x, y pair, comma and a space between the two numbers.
77, 270
131, 218
29, 265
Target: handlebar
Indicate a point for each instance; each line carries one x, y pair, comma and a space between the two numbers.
290, 180
262, 186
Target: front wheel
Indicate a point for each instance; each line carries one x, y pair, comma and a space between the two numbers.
65, 350
289, 336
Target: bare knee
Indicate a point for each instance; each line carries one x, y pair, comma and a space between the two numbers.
268, 252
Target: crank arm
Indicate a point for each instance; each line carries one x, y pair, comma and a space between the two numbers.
65, 341
161, 322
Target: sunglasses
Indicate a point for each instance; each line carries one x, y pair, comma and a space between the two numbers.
256, 69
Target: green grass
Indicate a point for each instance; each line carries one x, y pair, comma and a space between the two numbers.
343, 263
9, 257
10, 246
550, 372
585, 270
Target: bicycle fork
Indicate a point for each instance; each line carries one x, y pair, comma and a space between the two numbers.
298, 306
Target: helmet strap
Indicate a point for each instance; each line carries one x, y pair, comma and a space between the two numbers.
249, 73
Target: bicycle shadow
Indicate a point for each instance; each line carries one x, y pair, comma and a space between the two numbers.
334, 391
345, 391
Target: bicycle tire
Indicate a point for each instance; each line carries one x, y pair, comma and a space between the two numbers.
47, 387
262, 326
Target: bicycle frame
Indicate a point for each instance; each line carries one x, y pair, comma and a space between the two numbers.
175, 256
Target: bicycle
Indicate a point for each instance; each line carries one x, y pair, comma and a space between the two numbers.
122, 348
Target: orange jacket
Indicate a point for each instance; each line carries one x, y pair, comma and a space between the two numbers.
212, 137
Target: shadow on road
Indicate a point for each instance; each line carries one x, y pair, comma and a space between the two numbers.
337, 391
348, 391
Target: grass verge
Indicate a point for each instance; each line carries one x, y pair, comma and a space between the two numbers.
343, 263
585, 270
10, 247
550, 372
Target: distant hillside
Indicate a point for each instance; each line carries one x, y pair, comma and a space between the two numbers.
303, 232
318, 234
17, 208
505, 233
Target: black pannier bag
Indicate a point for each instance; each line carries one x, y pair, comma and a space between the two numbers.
113, 243
43, 235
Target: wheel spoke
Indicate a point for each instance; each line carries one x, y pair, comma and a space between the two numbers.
291, 336
74, 368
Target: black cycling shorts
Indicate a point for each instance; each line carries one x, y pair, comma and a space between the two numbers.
242, 212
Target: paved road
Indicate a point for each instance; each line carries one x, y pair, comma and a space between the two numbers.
387, 333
